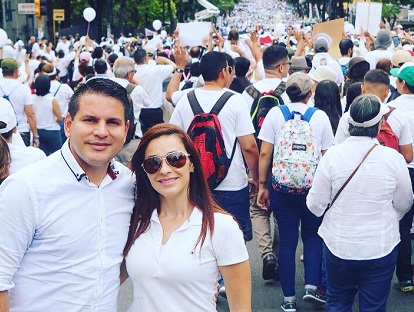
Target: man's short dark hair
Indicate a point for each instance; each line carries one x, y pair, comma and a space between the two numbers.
345, 45
140, 55
211, 64
242, 66
377, 76
273, 55
100, 66
101, 86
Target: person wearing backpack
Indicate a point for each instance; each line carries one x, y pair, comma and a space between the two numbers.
299, 136
232, 193
395, 132
20, 98
276, 64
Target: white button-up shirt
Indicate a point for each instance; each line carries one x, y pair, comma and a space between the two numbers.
62, 237
363, 223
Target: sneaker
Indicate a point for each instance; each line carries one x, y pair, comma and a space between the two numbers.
288, 306
314, 296
269, 266
405, 285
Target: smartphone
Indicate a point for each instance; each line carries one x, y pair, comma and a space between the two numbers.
396, 41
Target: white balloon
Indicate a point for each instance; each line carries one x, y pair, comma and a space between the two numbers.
89, 14
3, 37
163, 34
156, 24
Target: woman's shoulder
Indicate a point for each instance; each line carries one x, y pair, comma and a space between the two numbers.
223, 220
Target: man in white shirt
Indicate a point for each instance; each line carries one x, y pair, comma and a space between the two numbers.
276, 66
376, 82
405, 104
290, 209
151, 77
21, 100
65, 236
383, 48
124, 75
233, 192
21, 156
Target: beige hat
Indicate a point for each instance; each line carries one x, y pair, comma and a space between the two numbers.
323, 73
300, 80
400, 57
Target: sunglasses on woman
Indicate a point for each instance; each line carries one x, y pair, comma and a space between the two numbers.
175, 159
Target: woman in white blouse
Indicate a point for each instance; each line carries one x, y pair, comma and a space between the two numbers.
179, 240
360, 229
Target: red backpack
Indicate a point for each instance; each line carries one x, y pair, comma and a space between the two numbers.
387, 136
205, 131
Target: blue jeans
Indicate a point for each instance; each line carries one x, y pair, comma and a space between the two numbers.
289, 210
237, 203
49, 141
371, 278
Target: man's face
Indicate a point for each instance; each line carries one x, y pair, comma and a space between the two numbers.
97, 132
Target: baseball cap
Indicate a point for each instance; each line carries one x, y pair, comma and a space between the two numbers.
405, 72
301, 81
323, 72
321, 44
400, 57
357, 67
384, 109
84, 57
7, 116
9, 63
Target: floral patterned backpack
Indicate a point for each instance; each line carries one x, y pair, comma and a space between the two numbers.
295, 155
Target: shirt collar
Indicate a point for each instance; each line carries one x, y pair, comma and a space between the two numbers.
362, 139
195, 219
76, 169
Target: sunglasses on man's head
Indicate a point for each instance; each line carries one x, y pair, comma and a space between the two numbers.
175, 159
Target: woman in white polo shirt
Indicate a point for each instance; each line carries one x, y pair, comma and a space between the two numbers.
179, 240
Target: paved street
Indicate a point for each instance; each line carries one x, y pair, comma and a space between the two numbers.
267, 296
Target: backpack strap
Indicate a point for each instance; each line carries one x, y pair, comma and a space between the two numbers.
220, 102
129, 88
57, 90
252, 91
389, 113
281, 88
309, 113
286, 112
195, 106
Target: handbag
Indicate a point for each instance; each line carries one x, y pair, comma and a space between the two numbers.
349, 179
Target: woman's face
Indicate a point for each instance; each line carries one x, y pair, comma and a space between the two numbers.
169, 181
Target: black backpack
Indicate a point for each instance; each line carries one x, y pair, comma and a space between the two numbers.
205, 131
263, 102
132, 124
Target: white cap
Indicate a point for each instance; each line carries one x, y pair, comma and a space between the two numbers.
7, 116
323, 72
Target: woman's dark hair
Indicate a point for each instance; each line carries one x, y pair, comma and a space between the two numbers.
5, 159
328, 99
242, 66
364, 108
147, 199
384, 64
42, 85
354, 90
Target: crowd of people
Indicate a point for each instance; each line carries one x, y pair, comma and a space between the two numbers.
104, 176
